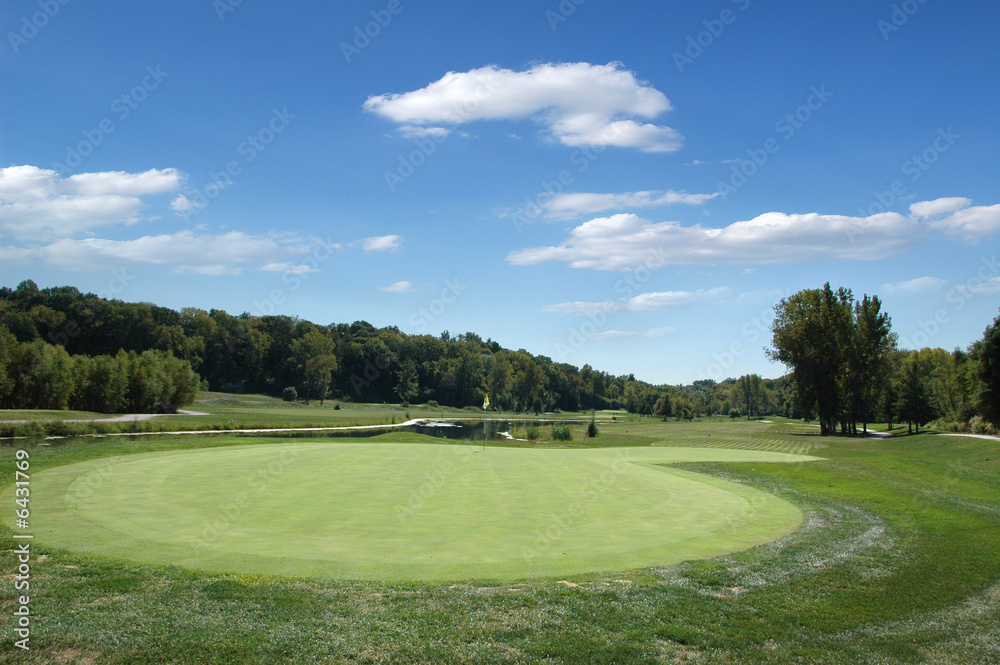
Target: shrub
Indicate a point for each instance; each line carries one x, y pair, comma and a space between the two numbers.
592, 429
980, 426
290, 394
560, 432
531, 433
735, 413
433, 403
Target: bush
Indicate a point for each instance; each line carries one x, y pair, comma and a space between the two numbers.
560, 432
531, 433
980, 426
336, 407
290, 394
735, 413
433, 403
592, 429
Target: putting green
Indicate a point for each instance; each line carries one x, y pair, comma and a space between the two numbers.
406, 511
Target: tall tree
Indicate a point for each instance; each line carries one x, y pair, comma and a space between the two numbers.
870, 345
811, 330
313, 354
988, 357
914, 405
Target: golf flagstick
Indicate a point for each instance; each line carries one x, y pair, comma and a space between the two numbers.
486, 405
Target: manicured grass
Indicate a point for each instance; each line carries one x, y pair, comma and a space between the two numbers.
407, 512
897, 562
7, 415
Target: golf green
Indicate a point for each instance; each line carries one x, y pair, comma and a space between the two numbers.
407, 512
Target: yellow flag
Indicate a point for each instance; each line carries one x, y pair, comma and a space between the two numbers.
486, 403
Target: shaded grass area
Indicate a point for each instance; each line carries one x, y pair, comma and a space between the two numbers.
898, 562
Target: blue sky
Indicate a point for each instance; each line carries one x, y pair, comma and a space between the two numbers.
631, 185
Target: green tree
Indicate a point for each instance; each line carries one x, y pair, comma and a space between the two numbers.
407, 387
7, 345
811, 331
913, 405
748, 394
663, 406
867, 353
314, 356
988, 371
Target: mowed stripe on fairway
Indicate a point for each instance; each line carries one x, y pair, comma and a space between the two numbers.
402, 512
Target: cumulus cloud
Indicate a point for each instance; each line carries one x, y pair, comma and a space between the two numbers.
578, 104
399, 287
970, 224
39, 204
626, 241
915, 287
570, 205
941, 206
382, 243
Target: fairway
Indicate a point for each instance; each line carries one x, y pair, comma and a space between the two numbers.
407, 512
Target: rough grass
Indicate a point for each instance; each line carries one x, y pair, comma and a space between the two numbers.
898, 562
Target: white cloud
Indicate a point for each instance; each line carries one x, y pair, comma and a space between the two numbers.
626, 241
399, 287
579, 104
971, 224
642, 302
293, 268
570, 205
416, 132
38, 204
230, 253
154, 181
181, 203
382, 243
915, 287
618, 334
943, 206
990, 286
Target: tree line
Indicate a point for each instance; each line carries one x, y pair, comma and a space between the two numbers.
65, 348
847, 369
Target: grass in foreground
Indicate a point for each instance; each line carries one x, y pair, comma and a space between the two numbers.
898, 562
406, 512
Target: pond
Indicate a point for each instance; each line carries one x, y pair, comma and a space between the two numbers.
466, 430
